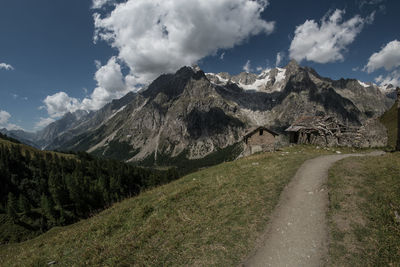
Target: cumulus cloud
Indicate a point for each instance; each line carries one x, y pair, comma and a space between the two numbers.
326, 41
60, 103
110, 85
388, 58
391, 78
247, 66
4, 117
279, 58
160, 36
4, 121
6, 66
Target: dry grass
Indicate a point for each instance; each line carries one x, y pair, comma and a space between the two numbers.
211, 217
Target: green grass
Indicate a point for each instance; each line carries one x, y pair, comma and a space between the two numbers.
389, 119
364, 198
211, 217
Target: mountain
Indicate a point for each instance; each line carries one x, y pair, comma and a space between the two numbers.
191, 115
27, 138
71, 125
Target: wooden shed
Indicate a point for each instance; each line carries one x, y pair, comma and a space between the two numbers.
258, 139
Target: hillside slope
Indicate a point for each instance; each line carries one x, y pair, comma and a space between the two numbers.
40, 190
211, 217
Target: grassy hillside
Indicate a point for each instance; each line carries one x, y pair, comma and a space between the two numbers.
211, 217
364, 214
389, 119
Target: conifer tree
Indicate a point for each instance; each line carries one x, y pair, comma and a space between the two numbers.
12, 206
23, 204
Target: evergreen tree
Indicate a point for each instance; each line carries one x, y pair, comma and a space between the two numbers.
47, 207
12, 206
23, 204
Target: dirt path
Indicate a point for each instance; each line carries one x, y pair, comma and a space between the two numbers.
297, 234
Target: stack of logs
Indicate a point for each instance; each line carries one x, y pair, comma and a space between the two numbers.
328, 131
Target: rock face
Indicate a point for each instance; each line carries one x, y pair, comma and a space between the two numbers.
191, 114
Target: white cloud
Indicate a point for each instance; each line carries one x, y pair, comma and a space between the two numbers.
110, 76
60, 103
110, 85
43, 122
391, 78
97, 63
279, 58
96, 4
4, 117
6, 66
160, 36
222, 56
388, 58
326, 41
247, 66
4, 121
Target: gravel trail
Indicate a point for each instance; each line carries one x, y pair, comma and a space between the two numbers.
297, 234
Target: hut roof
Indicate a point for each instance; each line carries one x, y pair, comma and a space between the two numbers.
252, 130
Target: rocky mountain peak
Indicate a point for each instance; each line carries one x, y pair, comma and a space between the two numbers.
292, 67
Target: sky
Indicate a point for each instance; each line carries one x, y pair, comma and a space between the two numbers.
59, 56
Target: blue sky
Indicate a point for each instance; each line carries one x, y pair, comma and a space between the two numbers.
58, 55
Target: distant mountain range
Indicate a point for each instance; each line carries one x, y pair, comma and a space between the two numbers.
191, 115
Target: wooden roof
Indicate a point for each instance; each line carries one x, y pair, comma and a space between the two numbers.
252, 130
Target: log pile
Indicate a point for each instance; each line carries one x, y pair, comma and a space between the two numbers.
329, 131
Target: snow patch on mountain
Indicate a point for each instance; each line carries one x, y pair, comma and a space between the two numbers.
364, 84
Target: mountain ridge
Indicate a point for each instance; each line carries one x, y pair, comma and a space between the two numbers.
194, 113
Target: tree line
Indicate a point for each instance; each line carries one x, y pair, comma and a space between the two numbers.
41, 190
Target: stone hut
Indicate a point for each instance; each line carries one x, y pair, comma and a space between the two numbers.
259, 139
